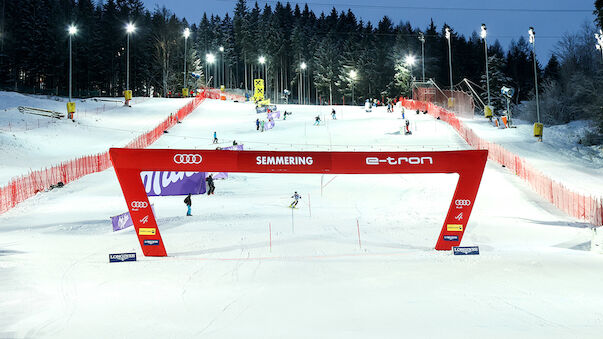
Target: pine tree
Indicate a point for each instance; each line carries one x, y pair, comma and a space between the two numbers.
498, 79
327, 68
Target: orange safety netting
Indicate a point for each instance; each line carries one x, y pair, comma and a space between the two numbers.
577, 205
24, 187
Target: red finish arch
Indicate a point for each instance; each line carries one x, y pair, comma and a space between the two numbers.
128, 164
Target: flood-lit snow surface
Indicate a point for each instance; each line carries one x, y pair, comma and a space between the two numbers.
535, 276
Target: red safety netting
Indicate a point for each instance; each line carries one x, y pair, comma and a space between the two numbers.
582, 206
24, 187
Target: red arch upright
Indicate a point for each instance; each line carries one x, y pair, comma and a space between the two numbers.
128, 164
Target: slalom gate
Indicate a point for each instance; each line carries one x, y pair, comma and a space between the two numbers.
129, 163
578, 205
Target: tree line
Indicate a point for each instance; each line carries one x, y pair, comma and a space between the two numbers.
344, 56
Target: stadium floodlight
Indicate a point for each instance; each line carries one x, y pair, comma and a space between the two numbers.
422, 39
262, 60
532, 35
130, 28
221, 48
483, 34
303, 65
410, 60
448, 37
210, 58
186, 34
72, 30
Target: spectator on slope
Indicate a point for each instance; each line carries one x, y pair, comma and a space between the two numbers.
262, 123
210, 184
317, 120
257, 124
215, 137
188, 203
333, 114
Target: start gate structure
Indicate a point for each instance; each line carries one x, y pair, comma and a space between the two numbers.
128, 164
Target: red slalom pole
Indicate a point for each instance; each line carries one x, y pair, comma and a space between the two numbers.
358, 227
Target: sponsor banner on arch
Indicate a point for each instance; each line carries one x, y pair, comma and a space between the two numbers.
296, 162
163, 183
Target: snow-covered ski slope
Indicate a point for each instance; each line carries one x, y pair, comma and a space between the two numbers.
559, 156
31, 142
535, 276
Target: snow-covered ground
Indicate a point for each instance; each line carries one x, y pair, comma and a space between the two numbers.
559, 155
535, 276
31, 142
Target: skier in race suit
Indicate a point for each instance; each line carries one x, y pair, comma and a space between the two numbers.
296, 198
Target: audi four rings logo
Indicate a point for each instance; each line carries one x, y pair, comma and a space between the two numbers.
188, 158
460, 203
139, 204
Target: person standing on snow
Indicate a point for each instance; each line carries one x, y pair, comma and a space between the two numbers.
333, 114
188, 203
317, 121
215, 138
210, 184
262, 123
257, 124
296, 198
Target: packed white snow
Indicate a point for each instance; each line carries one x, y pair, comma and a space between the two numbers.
31, 142
535, 276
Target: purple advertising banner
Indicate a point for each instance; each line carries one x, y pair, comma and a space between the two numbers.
123, 220
269, 125
173, 183
274, 115
224, 175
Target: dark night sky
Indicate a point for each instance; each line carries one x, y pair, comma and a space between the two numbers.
550, 18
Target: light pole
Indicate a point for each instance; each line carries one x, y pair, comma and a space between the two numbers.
410, 61
222, 65
70, 106
186, 33
262, 61
448, 37
353, 75
532, 35
303, 68
422, 39
130, 28
599, 45
210, 58
484, 33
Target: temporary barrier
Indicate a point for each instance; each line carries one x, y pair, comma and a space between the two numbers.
578, 205
129, 163
22, 188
